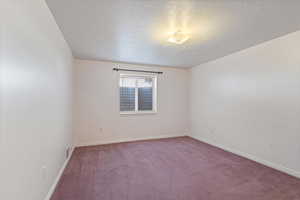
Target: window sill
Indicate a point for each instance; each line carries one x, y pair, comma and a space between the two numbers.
139, 113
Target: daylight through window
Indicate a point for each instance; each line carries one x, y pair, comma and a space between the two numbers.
137, 94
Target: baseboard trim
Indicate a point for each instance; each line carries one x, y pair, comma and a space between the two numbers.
251, 157
94, 143
60, 173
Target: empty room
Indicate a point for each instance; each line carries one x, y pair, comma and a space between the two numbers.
150, 100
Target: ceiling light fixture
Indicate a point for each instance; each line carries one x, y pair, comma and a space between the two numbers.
178, 37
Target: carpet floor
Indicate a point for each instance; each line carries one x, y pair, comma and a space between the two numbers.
170, 169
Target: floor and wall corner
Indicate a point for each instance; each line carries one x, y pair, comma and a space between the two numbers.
62, 133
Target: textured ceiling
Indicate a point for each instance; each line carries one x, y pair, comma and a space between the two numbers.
136, 31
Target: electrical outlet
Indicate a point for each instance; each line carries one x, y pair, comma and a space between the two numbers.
44, 172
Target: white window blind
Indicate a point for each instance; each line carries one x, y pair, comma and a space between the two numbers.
137, 94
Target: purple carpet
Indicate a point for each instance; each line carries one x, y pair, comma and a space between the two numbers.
170, 169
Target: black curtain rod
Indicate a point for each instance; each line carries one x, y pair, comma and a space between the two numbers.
132, 70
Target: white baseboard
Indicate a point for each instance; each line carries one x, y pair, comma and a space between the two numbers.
56, 180
93, 143
252, 157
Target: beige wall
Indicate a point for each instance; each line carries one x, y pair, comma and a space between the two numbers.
96, 106
249, 102
35, 100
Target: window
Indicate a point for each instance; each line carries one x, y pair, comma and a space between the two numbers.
137, 94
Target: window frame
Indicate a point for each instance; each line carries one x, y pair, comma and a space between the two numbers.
154, 94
